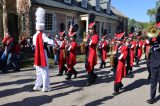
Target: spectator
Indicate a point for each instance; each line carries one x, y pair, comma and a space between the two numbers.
9, 53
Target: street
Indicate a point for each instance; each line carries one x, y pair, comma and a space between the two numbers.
16, 89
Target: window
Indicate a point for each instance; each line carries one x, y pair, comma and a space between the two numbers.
67, 1
69, 21
108, 6
84, 3
97, 5
23, 23
49, 21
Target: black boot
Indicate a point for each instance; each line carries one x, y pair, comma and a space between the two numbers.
60, 73
94, 77
4, 71
116, 90
101, 65
65, 69
150, 101
75, 73
69, 75
121, 86
104, 64
90, 79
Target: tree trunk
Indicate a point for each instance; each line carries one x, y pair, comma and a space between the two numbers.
5, 18
27, 24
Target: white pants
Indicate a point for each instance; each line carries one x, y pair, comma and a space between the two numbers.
42, 75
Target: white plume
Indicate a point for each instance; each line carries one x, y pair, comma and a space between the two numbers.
40, 15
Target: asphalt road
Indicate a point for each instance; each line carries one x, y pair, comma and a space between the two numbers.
16, 89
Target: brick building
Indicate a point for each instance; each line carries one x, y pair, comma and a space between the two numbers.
58, 11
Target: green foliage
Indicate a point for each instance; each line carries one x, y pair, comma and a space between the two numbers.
136, 24
152, 14
146, 25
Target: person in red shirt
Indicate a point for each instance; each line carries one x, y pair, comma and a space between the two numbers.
120, 56
61, 51
91, 55
131, 47
138, 48
71, 53
103, 49
9, 52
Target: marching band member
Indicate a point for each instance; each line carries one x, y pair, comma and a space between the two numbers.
71, 53
61, 50
103, 51
139, 48
41, 59
119, 62
131, 48
91, 55
154, 41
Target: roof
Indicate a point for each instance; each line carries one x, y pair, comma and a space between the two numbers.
76, 7
117, 12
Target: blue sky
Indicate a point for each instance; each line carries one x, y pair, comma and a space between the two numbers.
136, 9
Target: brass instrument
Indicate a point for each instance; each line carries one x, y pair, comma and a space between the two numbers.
82, 45
112, 56
154, 32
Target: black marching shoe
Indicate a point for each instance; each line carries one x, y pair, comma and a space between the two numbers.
60, 74
16, 70
90, 79
116, 93
104, 64
150, 101
65, 69
69, 75
88, 84
100, 65
4, 71
75, 74
121, 86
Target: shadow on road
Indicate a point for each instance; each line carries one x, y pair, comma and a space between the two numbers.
22, 81
140, 70
40, 100
136, 84
8, 92
99, 101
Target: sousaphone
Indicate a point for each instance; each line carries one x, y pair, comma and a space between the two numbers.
153, 33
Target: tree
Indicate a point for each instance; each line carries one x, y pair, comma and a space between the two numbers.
152, 14
23, 8
157, 4
5, 17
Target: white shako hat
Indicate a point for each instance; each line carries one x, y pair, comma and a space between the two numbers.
40, 19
